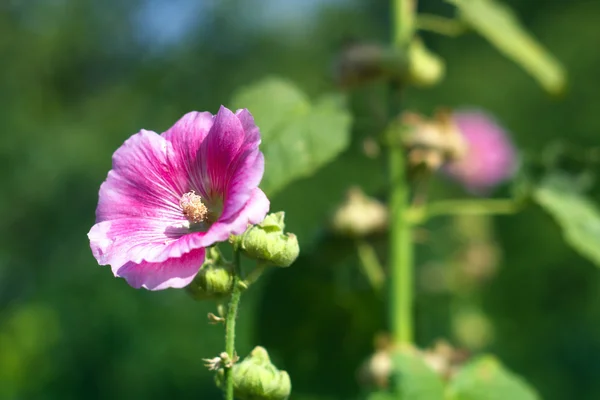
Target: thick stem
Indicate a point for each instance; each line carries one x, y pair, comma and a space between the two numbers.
401, 253
230, 325
404, 21
401, 246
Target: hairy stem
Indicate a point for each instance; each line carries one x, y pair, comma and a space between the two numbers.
230, 325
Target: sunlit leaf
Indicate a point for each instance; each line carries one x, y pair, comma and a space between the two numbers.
578, 216
486, 379
298, 137
415, 380
498, 24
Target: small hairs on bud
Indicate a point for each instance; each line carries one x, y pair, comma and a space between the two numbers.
255, 378
214, 280
268, 243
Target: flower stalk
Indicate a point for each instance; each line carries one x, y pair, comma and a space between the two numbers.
403, 23
401, 249
234, 302
401, 246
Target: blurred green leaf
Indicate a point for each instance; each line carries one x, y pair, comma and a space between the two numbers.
578, 216
382, 396
486, 379
498, 24
298, 137
415, 380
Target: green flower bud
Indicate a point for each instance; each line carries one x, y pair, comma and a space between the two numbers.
274, 222
268, 243
255, 378
214, 280
425, 67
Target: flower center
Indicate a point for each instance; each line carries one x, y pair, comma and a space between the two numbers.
193, 209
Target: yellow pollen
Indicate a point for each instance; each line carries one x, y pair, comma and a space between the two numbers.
193, 208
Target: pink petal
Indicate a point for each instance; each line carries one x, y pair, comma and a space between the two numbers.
186, 137
173, 272
247, 120
137, 240
491, 157
232, 164
246, 176
144, 182
119, 241
253, 212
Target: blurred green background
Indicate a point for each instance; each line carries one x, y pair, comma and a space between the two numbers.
77, 77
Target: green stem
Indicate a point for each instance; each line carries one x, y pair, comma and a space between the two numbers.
230, 325
441, 25
255, 274
401, 272
401, 246
464, 207
404, 21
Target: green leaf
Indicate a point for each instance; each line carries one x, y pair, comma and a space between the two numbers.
381, 396
486, 379
298, 137
578, 217
498, 24
415, 380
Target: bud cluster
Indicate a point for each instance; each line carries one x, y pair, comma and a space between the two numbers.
256, 378
432, 142
267, 242
470, 145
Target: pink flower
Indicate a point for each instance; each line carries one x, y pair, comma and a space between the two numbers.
169, 196
490, 157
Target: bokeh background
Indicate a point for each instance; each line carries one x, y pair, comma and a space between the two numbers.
77, 77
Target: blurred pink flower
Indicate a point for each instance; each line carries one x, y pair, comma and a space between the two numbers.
169, 196
490, 157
